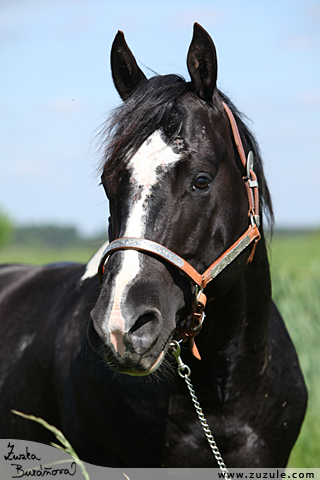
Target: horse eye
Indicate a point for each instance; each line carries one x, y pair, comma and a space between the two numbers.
202, 183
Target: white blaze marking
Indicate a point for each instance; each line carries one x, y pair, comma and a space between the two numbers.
152, 159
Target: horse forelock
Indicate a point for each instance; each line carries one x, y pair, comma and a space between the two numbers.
131, 124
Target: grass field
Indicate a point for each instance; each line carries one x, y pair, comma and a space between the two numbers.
35, 256
295, 267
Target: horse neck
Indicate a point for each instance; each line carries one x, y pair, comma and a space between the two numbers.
237, 323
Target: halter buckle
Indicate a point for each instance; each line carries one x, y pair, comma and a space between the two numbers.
250, 160
255, 220
192, 325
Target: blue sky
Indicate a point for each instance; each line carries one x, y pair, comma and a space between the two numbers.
56, 90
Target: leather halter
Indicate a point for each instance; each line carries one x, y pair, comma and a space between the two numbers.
191, 326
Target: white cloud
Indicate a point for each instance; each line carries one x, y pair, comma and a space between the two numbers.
310, 98
25, 168
313, 11
63, 105
298, 42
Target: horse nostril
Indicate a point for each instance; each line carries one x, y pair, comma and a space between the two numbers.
142, 321
144, 332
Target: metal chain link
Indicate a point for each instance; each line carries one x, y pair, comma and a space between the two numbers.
185, 372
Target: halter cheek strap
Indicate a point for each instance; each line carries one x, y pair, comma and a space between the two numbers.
250, 180
191, 326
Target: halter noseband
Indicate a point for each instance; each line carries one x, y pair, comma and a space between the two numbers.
191, 326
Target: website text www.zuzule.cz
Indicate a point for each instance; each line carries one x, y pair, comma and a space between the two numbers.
268, 475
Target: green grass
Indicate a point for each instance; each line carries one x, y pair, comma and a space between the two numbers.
64, 445
36, 256
295, 268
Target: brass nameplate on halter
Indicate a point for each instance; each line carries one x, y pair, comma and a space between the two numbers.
229, 257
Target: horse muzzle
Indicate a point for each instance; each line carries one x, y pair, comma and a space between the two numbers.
138, 351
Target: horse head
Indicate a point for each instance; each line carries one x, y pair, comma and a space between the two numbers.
172, 175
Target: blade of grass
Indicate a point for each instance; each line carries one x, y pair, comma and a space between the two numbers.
62, 439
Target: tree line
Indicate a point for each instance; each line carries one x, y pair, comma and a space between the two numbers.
45, 236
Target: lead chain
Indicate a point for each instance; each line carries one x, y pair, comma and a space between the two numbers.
182, 367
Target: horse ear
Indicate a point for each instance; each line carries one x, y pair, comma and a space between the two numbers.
202, 63
125, 72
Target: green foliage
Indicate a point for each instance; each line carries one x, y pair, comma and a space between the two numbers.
43, 244
65, 445
6, 229
42, 256
46, 236
52, 236
295, 268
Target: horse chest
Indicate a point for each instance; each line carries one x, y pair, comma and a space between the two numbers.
238, 438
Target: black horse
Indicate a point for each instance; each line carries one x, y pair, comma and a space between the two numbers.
78, 355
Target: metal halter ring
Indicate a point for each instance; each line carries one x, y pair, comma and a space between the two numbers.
198, 327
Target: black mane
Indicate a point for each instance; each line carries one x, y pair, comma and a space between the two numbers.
249, 138
146, 110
